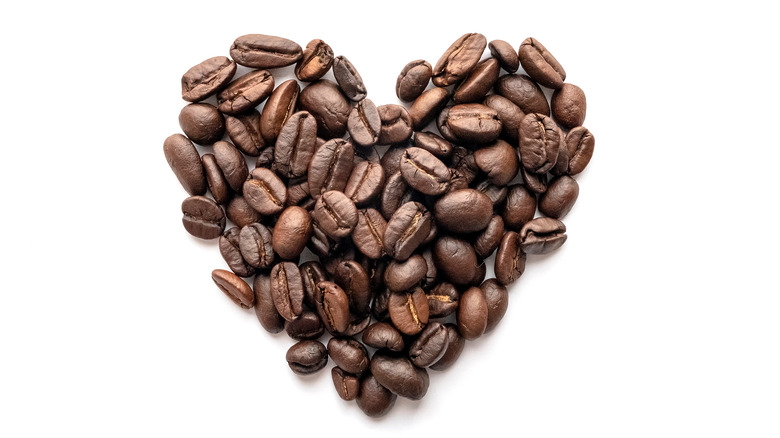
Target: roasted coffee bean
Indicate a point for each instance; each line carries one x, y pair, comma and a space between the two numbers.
560, 197
488, 240
234, 287
291, 232
207, 78
265, 51
357, 324
353, 279
185, 163
347, 385
542, 235
429, 346
287, 290
364, 123
379, 305
265, 309
244, 132
505, 54
368, 232
332, 305
265, 192
232, 164
335, 214
399, 375
406, 229
349, 79
306, 326
463, 161
295, 145
409, 310
254, 241
432, 235
535, 182
568, 106
433, 143
330, 167
497, 298
579, 147
442, 300
266, 158
240, 212
396, 124
459, 59
395, 194
312, 273
431, 274
315, 62
425, 107
509, 113
231, 252
374, 399
540, 140
202, 123
510, 259
499, 161
413, 80
391, 160
401, 276
524, 93
349, 354
463, 211
424, 172
365, 183
496, 194
520, 206
455, 259
279, 107
455, 344
474, 123
307, 357
203, 218
478, 82
246, 92
327, 104
457, 181
444, 128
381, 335
472, 313
320, 243
540, 64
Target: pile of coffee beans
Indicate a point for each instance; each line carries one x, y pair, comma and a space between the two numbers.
398, 219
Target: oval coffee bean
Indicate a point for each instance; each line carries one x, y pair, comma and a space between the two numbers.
396, 124
203, 218
374, 399
520, 206
231, 252
364, 124
542, 235
395, 193
427, 105
254, 241
349, 79
312, 273
478, 83
292, 231
505, 54
265, 192
456, 259
202, 123
509, 114
287, 290
579, 147
431, 274
442, 300
401, 276
474, 123
540, 64
540, 140
234, 287
391, 160
349, 354
568, 106
497, 298
413, 80
185, 163
347, 385
246, 92
265, 51
499, 161
207, 78
330, 167
424, 172
524, 93
265, 309
472, 313
510, 259
295, 145
327, 104
232, 163
459, 59
365, 183
489, 239
433, 143
382, 335
406, 230
455, 344
429, 346
279, 107
353, 279
244, 132
315, 62
307, 357
368, 233
560, 197
306, 326
240, 212
332, 305
463, 211
335, 214
400, 376
409, 311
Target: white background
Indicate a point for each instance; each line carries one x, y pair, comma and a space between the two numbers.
659, 317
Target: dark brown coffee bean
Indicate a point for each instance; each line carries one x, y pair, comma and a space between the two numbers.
185, 163
455, 259
505, 54
455, 344
433, 143
413, 80
568, 106
540, 141
382, 335
489, 239
463, 161
399, 375
349, 79
391, 160
203, 218
207, 78
254, 241
244, 132
265, 192
291, 232
431, 274
364, 123
315, 62
320, 244
240, 212
540, 64
295, 145
331, 166
265, 309
349, 354
324, 100
335, 214
246, 92
429, 346
432, 235
312, 273
396, 124
499, 161
395, 194
368, 233
497, 298
424, 172
202, 123
509, 113
265, 51
535, 182
579, 147
510, 259
474, 123
279, 107
406, 229
496, 194
409, 310
542, 235
234, 287
365, 183
218, 186
427, 105
231, 252
478, 82
444, 128
353, 279
347, 385
520, 206
472, 313
560, 197
266, 158
306, 326
459, 59
401, 276
307, 357
287, 290
524, 93
374, 399
463, 211
442, 300
232, 163
332, 305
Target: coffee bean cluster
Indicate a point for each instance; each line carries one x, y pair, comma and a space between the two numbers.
397, 240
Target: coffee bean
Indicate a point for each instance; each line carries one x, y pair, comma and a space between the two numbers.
413, 80
429, 346
509, 114
203, 218
444, 128
207, 78
424, 172
540, 140
295, 145
327, 104
459, 59
401, 276
315, 62
266, 158
307, 357
463, 211
433, 143
537, 182
229, 248
499, 161
332, 305
265, 309
374, 399
496, 194
520, 206
497, 298
244, 132
399, 375
349, 79
265, 192
431, 274
353, 279
335, 214
542, 235
364, 123
291, 232
365, 183
406, 229
265, 51
391, 160
234, 287
368, 233
540, 64
463, 161
347, 385
240, 212
472, 313
505, 54
455, 344
568, 106
396, 124
524, 93
442, 300
510, 259
381, 335
202, 123
349, 354
455, 259
185, 163
478, 82
579, 146
306, 326
232, 163
254, 241
279, 107
474, 123
560, 197
489, 239
331, 166
287, 290
425, 107
246, 92
409, 310
312, 273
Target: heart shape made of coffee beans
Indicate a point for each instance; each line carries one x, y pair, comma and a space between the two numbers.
397, 241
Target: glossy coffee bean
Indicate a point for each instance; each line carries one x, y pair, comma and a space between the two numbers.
307, 357
244, 132
307, 326
560, 197
231, 252
287, 290
442, 300
353, 279
524, 93
401, 276
312, 273
265, 192
395, 193
364, 123
488, 240
246, 92
325, 101
396, 124
455, 344
497, 298
347, 385
368, 232
349, 354
316, 60
413, 80
291, 232
374, 399
540, 140
433, 143
349, 79
240, 212
254, 241
424, 172
265, 51
332, 305
400, 375
203, 218
456, 63
409, 310
381, 335
207, 78
429, 346
279, 107
295, 145
232, 164
579, 149
472, 313
569, 106
427, 105
474, 123
520, 206
505, 54
541, 64
431, 273
542, 235
265, 309
365, 183
202, 123
335, 214
499, 161
331, 166
509, 113
406, 230
478, 83
455, 259
234, 287
391, 160
510, 259
185, 163
463, 211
